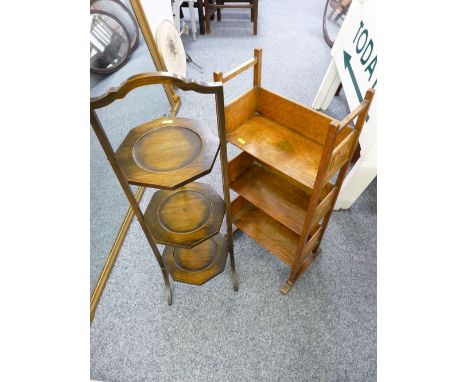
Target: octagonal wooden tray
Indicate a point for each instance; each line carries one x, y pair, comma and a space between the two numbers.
167, 153
198, 264
185, 217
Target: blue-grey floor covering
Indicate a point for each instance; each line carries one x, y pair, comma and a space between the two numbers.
323, 330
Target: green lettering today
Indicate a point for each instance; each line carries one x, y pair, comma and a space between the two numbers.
364, 48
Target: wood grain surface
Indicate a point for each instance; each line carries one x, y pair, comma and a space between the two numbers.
279, 147
167, 153
289, 153
198, 264
185, 217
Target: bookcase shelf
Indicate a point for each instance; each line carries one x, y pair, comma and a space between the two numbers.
266, 231
274, 195
279, 147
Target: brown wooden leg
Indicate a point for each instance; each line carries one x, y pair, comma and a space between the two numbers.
357, 154
206, 4
255, 9
201, 16
308, 260
295, 274
235, 282
218, 11
167, 286
286, 286
251, 11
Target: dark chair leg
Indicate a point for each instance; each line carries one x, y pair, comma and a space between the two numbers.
255, 17
252, 11
206, 3
218, 11
201, 16
212, 15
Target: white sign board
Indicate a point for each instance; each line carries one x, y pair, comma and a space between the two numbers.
355, 65
355, 56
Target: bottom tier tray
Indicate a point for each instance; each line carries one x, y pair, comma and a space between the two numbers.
198, 264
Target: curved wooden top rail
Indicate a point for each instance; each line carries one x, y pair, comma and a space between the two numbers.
154, 78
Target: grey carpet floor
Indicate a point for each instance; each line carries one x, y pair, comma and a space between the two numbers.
324, 330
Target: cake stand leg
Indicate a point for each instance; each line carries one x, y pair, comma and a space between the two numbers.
167, 286
235, 283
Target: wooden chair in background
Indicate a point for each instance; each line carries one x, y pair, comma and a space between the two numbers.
201, 13
215, 7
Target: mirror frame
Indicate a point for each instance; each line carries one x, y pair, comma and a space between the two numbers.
175, 103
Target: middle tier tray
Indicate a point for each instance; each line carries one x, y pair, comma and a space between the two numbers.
185, 217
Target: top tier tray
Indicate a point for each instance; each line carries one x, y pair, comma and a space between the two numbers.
167, 153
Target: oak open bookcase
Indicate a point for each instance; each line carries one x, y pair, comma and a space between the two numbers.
168, 154
290, 153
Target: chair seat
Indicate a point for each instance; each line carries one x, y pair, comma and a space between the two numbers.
212, 7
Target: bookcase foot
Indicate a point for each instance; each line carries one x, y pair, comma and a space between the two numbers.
286, 287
